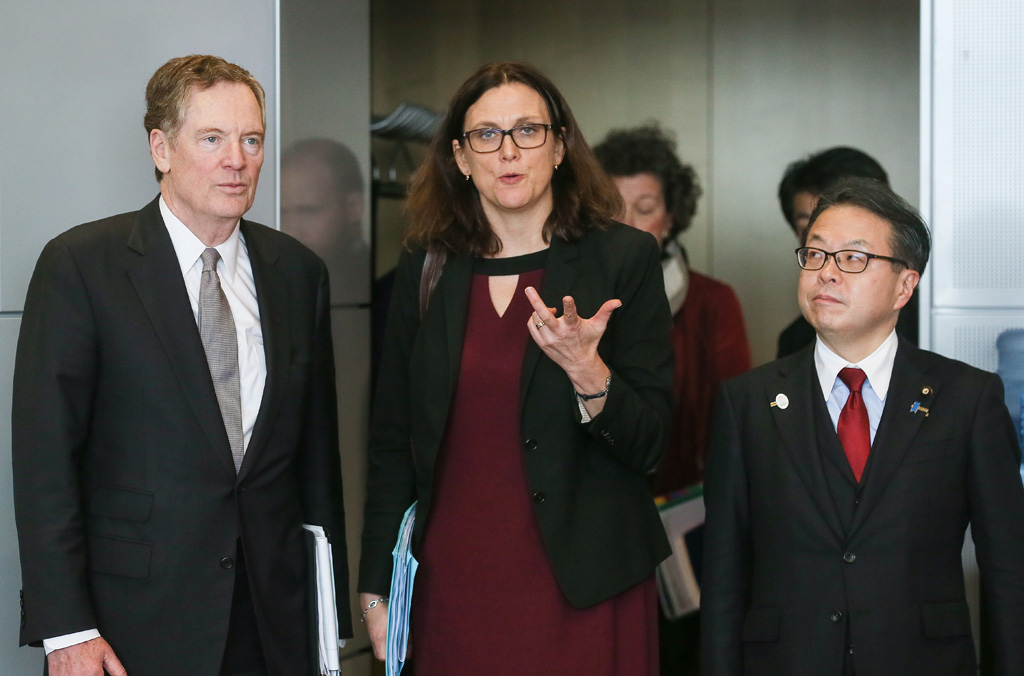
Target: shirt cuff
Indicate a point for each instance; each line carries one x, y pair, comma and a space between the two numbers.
584, 415
68, 640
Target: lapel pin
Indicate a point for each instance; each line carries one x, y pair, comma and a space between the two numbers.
781, 400
918, 407
925, 391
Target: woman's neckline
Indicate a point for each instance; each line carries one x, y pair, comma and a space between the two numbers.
512, 265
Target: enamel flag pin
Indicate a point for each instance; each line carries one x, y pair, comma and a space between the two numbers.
916, 406
781, 400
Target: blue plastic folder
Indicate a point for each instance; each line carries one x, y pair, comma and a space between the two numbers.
400, 601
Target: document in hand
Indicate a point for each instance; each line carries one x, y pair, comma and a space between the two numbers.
400, 601
682, 514
326, 610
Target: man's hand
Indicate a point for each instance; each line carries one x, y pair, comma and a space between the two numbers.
85, 659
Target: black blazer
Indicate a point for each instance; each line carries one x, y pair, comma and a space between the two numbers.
127, 503
597, 518
793, 570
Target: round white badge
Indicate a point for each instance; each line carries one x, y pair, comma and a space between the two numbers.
782, 401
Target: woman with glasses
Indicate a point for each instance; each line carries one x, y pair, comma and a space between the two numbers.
522, 401
709, 338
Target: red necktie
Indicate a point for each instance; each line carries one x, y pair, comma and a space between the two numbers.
853, 429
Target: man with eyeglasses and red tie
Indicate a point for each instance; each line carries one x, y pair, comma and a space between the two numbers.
841, 479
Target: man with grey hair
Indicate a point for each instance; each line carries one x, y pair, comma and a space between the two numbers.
174, 419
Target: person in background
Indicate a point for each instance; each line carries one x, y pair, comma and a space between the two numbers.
842, 479
322, 206
803, 181
175, 418
709, 338
525, 407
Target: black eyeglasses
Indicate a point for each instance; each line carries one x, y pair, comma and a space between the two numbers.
525, 136
846, 260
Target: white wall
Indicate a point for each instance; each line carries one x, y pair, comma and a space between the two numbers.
972, 173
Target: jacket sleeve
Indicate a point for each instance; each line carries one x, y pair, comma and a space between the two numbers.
391, 477
633, 424
727, 545
997, 524
55, 377
322, 494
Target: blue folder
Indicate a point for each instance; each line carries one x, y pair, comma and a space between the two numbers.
402, 576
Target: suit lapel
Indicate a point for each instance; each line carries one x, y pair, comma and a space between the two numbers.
454, 289
898, 425
559, 275
156, 276
796, 380
272, 298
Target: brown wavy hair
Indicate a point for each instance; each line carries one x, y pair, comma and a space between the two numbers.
444, 208
170, 89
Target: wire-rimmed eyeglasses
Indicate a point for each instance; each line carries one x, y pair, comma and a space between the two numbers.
847, 260
525, 136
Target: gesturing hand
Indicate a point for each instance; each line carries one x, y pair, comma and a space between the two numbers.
89, 658
570, 340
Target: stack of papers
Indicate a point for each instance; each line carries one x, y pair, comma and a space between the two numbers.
682, 514
327, 611
400, 602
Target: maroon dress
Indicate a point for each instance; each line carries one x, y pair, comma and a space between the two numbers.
486, 599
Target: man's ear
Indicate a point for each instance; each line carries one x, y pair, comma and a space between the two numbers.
355, 206
908, 281
159, 148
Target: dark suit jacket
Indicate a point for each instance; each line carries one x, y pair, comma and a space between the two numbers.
597, 519
799, 563
127, 503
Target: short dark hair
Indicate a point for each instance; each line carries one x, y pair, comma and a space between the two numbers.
444, 208
337, 157
815, 173
168, 91
649, 150
908, 235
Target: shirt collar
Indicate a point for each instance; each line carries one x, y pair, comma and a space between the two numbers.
877, 366
188, 248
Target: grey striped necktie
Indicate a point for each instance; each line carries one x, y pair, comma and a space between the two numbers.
220, 341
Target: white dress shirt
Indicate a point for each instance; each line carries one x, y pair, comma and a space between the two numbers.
236, 280
877, 367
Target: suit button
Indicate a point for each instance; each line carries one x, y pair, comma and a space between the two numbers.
227, 563
539, 497
530, 444
849, 557
836, 616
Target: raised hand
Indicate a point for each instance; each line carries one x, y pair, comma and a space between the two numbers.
571, 342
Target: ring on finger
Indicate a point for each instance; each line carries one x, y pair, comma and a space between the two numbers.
539, 323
